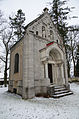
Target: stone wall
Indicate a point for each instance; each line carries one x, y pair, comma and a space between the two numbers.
15, 78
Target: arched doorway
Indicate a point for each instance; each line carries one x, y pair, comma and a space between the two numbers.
54, 63
55, 67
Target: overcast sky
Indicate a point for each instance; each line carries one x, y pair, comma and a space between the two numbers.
32, 8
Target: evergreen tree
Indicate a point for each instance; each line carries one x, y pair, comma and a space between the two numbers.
59, 13
17, 23
59, 16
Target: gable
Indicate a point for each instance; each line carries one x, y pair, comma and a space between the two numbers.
44, 27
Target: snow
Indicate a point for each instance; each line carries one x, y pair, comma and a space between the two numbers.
13, 106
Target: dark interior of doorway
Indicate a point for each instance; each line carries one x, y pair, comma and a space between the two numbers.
50, 72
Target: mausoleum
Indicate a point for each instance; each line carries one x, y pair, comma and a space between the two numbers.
38, 61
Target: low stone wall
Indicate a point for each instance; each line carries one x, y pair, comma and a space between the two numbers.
75, 79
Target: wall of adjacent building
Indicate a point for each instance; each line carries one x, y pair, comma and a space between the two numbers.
16, 78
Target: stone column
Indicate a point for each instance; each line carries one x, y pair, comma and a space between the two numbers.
62, 71
62, 80
66, 76
46, 70
59, 74
55, 73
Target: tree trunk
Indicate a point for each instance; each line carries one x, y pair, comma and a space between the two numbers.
68, 67
74, 68
68, 64
5, 71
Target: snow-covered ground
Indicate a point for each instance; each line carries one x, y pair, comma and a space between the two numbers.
13, 106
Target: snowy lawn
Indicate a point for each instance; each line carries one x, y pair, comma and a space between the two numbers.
13, 106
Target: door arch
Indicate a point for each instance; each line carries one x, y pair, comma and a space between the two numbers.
55, 67
55, 56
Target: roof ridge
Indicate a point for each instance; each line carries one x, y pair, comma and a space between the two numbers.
35, 20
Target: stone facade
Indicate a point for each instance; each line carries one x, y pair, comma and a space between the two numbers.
42, 59
15, 81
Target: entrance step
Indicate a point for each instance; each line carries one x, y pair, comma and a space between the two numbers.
57, 87
58, 91
62, 91
62, 94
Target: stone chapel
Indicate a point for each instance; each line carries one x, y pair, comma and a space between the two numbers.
38, 61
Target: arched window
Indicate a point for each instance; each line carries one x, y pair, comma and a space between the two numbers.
51, 35
16, 63
43, 32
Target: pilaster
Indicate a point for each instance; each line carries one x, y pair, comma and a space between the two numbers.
28, 67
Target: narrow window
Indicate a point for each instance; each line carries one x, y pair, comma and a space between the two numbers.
51, 34
57, 41
43, 32
36, 32
16, 64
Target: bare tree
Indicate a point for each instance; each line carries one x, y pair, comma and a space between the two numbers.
7, 39
69, 59
6, 43
2, 22
73, 36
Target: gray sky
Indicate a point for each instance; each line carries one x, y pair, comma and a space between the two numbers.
32, 8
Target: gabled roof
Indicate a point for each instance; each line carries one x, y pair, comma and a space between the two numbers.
38, 18
35, 20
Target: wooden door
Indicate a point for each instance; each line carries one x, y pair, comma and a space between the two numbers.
50, 72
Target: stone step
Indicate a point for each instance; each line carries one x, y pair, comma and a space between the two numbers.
61, 95
61, 91
58, 91
58, 87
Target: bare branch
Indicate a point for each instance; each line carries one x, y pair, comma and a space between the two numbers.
2, 59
